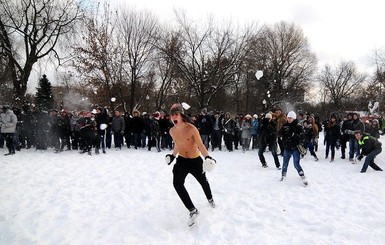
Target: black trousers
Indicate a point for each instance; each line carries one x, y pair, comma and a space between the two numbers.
9, 142
193, 166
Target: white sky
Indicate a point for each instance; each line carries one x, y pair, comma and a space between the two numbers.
336, 30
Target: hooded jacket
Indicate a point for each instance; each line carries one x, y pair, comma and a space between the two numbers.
8, 121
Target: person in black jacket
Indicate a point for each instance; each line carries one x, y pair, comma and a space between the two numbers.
65, 130
292, 135
268, 137
101, 118
229, 130
357, 124
370, 147
346, 128
87, 126
332, 136
205, 127
137, 129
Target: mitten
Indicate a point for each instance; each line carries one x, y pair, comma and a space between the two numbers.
208, 164
169, 158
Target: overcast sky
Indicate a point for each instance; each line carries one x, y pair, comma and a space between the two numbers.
337, 30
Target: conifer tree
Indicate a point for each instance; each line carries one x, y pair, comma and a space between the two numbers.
44, 96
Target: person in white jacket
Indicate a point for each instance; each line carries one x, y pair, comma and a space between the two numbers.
8, 121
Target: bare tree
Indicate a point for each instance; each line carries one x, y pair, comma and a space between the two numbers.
30, 30
208, 57
341, 83
137, 29
289, 64
379, 76
166, 70
99, 56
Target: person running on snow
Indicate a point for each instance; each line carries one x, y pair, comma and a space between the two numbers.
188, 148
370, 147
292, 135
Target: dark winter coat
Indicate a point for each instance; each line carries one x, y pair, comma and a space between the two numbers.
217, 123
205, 124
358, 125
101, 118
268, 132
368, 144
373, 131
86, 124
147, 125
347, 129
164, 125
154, 127
137, 125
332, 132
229, 126
64, 126
292, 135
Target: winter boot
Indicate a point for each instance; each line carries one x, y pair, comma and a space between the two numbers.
212, 203
192, 217
304, 180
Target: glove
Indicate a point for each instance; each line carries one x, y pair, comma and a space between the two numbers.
338, 144
347, 131
359, 157
208, 164
169, 158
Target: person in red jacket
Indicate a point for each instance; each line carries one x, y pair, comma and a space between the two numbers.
370, 147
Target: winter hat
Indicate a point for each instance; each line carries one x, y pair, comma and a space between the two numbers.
292, 115
255, 116
204, 111
156, 115
176, 108
269, 116
248, 116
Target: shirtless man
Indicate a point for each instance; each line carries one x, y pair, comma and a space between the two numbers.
189, 147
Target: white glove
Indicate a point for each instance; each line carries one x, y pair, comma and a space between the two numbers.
169, 158
103, 126
208, 164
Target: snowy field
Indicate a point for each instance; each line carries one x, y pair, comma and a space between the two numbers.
127, 197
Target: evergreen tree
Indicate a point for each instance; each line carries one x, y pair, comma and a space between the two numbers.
44, 96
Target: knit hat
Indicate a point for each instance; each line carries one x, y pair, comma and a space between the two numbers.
176, 108
269, 116
156, 115
292, 115
255, 116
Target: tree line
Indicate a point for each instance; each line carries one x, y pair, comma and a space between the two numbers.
103, 52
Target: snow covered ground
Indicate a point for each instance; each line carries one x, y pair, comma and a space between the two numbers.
127, 197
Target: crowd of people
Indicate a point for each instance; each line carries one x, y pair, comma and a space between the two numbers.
95, 131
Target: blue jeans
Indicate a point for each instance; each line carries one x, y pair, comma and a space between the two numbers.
205, 140
353, 148
369, 160
296, 158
